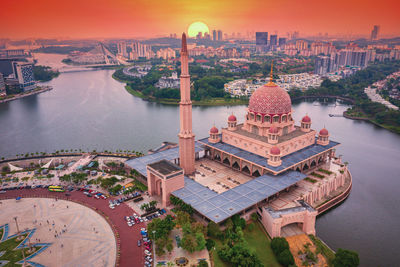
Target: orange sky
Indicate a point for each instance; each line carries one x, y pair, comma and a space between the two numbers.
147, 18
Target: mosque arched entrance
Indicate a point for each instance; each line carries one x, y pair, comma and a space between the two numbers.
246, 170
236, 166
305, 167
292, 229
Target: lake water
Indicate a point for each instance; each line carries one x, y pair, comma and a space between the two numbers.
90, 110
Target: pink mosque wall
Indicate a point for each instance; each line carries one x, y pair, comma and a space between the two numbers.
306, 218
274, 225
163, 187
327, 187
262, 148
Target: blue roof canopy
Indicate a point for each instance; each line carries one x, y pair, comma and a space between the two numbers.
219, 207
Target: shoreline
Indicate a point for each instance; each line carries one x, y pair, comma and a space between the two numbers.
175, 102
22, 95
386, 127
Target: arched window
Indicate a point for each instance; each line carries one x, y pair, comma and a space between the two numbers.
267, 119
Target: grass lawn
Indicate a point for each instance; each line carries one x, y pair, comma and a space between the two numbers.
10, 254
258, 242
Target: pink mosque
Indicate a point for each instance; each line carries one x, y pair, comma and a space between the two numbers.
267, 164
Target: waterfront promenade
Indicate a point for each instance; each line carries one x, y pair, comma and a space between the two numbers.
25, 94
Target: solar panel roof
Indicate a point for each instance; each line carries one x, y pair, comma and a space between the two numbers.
139, 164
219, 207
287, 161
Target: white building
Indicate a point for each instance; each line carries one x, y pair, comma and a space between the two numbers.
169, 82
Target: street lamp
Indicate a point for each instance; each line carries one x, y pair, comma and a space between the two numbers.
23, 252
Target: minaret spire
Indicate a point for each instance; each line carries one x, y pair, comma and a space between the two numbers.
186, 136
271, 76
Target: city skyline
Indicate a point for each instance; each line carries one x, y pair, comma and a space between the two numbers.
121, 18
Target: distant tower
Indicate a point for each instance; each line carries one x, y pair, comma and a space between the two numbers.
186, 136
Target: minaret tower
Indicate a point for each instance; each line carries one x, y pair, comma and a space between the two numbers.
186, 136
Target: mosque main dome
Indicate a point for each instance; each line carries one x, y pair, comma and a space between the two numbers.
270, 99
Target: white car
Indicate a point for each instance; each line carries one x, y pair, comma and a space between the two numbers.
145, 219
143, 229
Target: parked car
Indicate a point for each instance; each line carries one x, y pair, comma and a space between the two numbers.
139, 243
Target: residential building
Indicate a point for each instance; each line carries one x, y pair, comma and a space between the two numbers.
122, 49
166, 53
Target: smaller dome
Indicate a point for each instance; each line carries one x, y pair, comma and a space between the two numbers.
306, 119
232, 118
273, 130
275, 151
214, 130
324, 132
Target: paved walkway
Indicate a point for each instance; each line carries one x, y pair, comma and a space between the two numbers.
78, 236
129, 253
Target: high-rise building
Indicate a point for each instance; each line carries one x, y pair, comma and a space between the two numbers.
2, 86
141, 50
219, 35
375, 32
122, 49
273, 39
358, 58
23, 72
214, 34
282, 41
261, 41
322, 65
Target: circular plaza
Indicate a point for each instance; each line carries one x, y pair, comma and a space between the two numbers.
65, 233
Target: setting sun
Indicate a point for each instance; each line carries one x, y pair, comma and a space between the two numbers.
197, 27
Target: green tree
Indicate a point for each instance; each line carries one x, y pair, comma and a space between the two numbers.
188, 243
201, 241
182, 217
210, 243
285, 258
279, 244
213, 230
346, 258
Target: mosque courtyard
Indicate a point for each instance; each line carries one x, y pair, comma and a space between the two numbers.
76, 235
